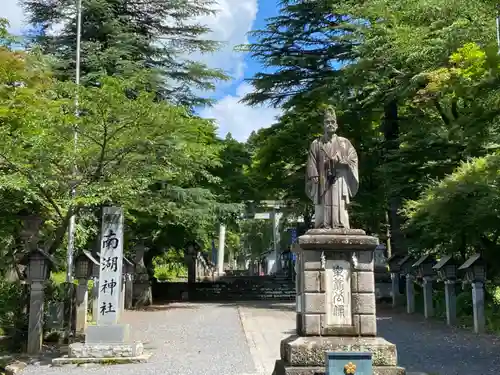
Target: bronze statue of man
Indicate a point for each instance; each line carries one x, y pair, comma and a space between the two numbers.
332, 175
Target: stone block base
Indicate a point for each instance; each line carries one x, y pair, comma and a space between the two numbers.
79, 350
116, 333
310, 351
281, 368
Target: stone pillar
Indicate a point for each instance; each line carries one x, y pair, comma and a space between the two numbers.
428, 303
129, 285
220, 252
395, 289
478, 307
95, 299
410, 294
82, 301
451, 302
35, 325
335, 304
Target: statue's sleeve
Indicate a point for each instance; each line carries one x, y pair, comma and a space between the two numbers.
352, 175
312, 162
312, 171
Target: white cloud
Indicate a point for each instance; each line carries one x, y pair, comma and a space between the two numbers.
237, 118
230, 25
14, 13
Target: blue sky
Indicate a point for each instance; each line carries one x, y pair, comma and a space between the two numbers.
231, 24
266, 9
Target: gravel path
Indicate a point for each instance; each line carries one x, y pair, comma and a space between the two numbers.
201, 339
428, 347
206, 339
434, 348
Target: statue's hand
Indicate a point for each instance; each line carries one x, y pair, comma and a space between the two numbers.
315, 179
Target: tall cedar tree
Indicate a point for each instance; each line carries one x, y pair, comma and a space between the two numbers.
122, 36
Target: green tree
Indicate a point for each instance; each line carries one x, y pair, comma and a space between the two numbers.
123, 36
371, 60
150, 157
233, 172
257, 236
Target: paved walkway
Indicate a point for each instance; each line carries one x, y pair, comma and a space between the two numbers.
243, 339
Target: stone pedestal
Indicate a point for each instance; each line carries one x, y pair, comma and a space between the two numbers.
81, 306
428, 303
410, 294
478, 307
335, 304
395, 289
35, 325
129, 284
451, 302
306, 355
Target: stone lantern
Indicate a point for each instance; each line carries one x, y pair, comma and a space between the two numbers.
39, 264
394, 263
423, 266
446, 270
405, 265
425, 272
475, 274
474, 269
84, 267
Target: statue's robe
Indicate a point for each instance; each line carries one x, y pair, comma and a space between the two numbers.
337, 183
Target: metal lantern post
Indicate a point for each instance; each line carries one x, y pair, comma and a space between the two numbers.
395, 270
475, 275
425, 272
446, 270
406, 268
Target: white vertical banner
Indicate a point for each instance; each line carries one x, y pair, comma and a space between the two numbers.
111, 263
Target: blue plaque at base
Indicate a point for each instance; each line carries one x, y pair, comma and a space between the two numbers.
348, 363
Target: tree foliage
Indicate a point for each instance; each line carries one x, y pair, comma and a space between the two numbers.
152, 158
415, 87
120, 37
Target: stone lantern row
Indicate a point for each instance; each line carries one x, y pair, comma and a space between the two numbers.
426, 270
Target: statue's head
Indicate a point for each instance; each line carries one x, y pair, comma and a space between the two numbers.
330, 121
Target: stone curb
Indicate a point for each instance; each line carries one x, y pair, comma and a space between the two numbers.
254, 352
57, 362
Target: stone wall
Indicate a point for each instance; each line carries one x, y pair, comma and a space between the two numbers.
241, 288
